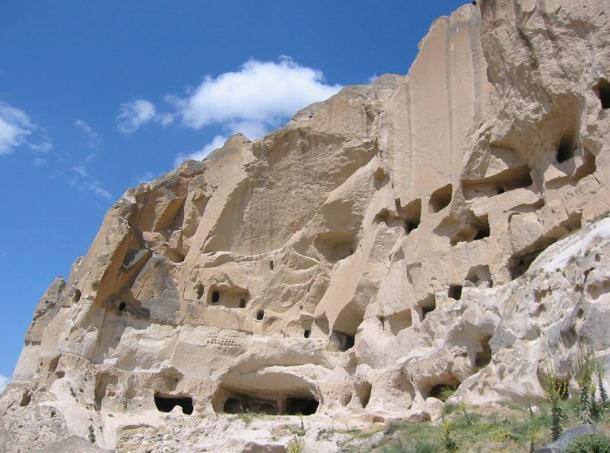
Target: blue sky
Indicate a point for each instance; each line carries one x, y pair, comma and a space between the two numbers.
97, 96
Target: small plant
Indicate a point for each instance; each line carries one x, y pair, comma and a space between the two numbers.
600, 374
596, 407
590, 443
449, 408
554, 389
424, 447
448, 442
466, 413
584, 378
91, 434
296, 445
445, 393
246, 418
534, 435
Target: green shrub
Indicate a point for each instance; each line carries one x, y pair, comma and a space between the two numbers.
584, 369
554, 389
590, 443
296, 445
449, 443
425, 447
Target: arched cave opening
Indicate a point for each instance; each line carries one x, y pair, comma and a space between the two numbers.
265, 403
443, 391
167, 403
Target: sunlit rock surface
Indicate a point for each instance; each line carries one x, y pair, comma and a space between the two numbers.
441, 231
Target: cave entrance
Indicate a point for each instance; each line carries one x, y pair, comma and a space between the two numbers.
301, 406
242, 404
455, 292
341, 340
519, 265
228, 297
513, 178
566, 147
426, 306
603, 93
166, 403
264, 403
441, 198
483, 357
412, 215
443, 391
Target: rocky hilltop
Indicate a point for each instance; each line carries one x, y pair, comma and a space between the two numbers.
443, 231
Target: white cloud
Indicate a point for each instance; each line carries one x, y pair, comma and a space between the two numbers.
17, 129
82, 180
93, 138
136, 113
4, 381
255, 98
147, 176
216, 143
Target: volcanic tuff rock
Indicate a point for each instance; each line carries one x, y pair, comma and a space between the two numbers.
443, 230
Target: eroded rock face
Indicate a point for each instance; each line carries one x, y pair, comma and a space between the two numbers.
440, 231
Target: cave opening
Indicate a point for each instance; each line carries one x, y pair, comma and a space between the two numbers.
603, 93
441, 198
412, 216
260, 314
443, 391
342, 340
166, 403
363, 391
215, 296
301, 406
455, 292
483, 230
427, 306
480, 276
483, 357
264, 403
519, 265
566, 148
474, 230
513, 178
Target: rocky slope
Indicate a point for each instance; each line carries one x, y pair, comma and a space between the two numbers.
439, 231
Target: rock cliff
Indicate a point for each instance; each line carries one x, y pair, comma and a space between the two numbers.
443, 231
